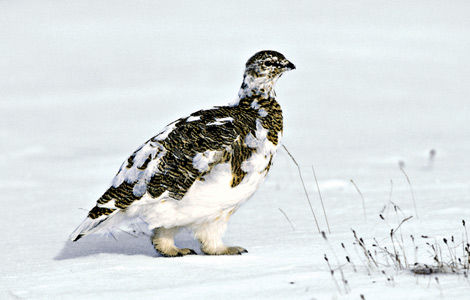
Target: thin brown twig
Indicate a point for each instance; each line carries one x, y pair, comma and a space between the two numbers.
321, 199
287, 218
343, 278
362, 198
411, 189
402, 221
332, 272
305, 189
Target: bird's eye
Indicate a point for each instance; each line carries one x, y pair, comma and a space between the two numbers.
272, 63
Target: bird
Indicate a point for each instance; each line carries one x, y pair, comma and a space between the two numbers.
199, 169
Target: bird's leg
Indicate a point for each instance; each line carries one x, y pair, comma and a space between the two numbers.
210, 237
164, 243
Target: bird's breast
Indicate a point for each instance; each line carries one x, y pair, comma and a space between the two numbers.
215, 190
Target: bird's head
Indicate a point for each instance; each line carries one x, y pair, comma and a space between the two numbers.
269, 64
261, 73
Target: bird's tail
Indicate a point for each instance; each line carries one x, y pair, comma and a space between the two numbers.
90, 225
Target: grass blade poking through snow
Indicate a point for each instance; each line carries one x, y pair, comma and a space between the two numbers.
287, 218
305, 189
411, 189
321, 199
362, 198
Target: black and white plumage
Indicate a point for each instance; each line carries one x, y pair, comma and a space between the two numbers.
199, 169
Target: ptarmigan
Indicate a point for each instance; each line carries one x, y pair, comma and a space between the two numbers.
199, 169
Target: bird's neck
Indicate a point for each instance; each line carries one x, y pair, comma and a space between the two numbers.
256, 89
257, 93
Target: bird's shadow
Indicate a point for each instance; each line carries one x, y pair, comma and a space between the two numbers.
120, 243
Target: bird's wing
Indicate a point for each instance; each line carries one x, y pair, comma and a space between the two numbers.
182, 153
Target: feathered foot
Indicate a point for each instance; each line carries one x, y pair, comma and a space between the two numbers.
163, 241
234, 250
210, 237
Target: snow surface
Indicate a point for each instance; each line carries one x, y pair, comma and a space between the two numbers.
83, 83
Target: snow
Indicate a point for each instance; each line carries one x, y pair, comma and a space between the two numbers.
82, 84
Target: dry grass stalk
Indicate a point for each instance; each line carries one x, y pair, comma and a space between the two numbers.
287, 218
451, 260
411, 189
305, 189
364, 249
321, 200
332, 273
343, 278
362, 198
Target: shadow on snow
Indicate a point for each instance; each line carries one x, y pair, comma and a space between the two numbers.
120, 243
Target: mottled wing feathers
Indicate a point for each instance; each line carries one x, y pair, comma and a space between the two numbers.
272, 120
240, 153
182, 153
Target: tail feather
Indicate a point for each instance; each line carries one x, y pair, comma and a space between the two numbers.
90, 225
78, 237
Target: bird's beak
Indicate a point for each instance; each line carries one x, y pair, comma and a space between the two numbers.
290, 66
